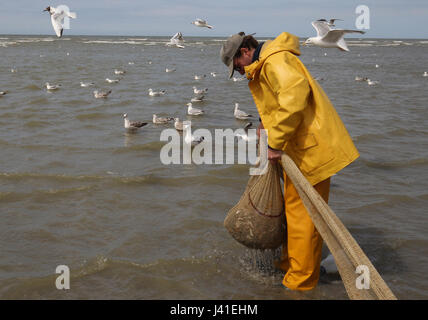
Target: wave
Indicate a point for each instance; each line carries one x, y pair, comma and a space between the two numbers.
111, 42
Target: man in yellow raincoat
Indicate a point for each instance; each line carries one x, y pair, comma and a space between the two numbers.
300, 121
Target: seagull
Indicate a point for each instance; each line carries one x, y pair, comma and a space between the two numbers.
239, 114
199, 77
86, 84
116, 71
159, 120
170, 70
156, 93
201, 23
52, 86
2, 93
193, 111
235, 79
176, 41
214, 74
329, 38
101, 94
425, 74
132, 125
57, 19
189, 138
372, 82
357, 78
113, 80
199, 91
178, 124
330, 22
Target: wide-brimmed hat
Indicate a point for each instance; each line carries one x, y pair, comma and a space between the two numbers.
229, 49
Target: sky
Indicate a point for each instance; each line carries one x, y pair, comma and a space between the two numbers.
387, 18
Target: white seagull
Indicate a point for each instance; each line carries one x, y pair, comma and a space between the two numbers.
239, 114
199, 91
116, 71
132, 125
57, 19
328, 37
178, 124
113, 80
160, 120
425, 74
189, 138
170, 70
201, 23
52, 86
101, 94
214, 74
372, 82
156, 93
86, 84
196, 77
193, 111
176, 41
2, 93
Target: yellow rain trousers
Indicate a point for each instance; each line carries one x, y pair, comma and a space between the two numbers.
301, 254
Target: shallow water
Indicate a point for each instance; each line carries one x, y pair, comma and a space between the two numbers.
77, 190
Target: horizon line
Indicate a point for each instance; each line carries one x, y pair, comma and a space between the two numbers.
218, 36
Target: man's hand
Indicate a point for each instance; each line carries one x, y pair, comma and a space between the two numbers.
274, 155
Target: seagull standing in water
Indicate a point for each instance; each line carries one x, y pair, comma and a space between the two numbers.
239, 114
52, 86
132, 125
328, 37
193, 111
160, 120
101, 94
57, 19
156, 93
201, 23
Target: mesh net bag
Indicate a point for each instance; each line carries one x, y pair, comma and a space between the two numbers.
258, 219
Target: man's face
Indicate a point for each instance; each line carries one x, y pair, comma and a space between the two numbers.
244, 60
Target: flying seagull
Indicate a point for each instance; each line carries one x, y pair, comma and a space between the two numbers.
328, 37
57, 19
201, 23
132, 125
176, 41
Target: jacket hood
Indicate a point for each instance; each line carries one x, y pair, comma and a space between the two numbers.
284, 42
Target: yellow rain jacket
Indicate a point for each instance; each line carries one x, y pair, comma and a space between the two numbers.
297, 113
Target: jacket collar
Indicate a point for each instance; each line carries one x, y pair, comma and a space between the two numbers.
284, 42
